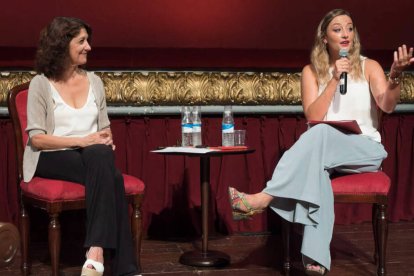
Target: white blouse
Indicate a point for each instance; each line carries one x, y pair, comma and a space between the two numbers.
357, 104
74, 122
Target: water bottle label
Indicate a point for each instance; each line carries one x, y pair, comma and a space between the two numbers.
196, 127
227, 128
187, 128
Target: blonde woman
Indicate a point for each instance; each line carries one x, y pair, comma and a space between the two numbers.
300, 189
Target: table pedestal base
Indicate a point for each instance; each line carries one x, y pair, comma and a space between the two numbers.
210, 258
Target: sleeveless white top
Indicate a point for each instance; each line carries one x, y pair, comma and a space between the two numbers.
74, 122
357, 104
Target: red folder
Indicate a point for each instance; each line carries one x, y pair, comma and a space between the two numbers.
347, 126
232, 148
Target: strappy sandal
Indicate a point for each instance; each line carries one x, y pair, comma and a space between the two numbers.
315, 269
97, 270
241, 209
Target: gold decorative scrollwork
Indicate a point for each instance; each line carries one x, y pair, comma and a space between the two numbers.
205, 88
8, 80
407, 88
139, 88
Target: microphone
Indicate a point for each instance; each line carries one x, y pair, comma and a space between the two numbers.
343, 53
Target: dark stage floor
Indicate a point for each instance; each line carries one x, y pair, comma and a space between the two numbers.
352, 249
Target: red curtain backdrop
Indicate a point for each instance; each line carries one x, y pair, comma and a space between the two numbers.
212, 24
160, 34
172, 200
9, 211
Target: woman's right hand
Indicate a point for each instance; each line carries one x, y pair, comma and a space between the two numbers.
341, 65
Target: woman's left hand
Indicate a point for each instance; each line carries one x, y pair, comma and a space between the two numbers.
403, 58
107, 133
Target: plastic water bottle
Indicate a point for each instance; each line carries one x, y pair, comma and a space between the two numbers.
186, 127
227, 128
196, 119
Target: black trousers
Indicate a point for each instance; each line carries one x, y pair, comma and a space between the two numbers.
107, 223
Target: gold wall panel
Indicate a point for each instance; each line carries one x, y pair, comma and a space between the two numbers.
407, 88
8, 80
138, 88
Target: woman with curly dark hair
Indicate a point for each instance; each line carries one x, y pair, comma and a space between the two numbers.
70, 139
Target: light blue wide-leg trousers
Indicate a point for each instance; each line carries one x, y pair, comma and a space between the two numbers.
301, 186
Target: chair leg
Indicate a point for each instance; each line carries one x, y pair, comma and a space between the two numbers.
54, 242
382, 230
375, 231
24, 232
286, 246
136, 225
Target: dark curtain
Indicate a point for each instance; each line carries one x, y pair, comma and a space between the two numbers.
172, 198
9, 203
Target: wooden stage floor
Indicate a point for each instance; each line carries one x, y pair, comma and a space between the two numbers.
351, 247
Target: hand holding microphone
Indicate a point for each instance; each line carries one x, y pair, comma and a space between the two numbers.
343, 53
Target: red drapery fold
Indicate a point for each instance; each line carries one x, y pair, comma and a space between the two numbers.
9, 206
172, 199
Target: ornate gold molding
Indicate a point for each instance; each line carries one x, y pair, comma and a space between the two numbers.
407, 88
139, 88
8, 80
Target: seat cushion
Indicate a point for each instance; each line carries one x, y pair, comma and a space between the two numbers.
133, 185
362, 183
52, 190
56, 190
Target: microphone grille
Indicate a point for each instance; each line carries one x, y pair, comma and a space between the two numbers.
343, 53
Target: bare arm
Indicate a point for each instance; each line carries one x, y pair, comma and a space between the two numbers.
316, 106
48, 142
387, 92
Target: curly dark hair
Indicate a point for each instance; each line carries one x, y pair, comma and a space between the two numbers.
52, 54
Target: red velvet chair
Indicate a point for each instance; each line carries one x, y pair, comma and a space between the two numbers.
55, 196
369, 188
